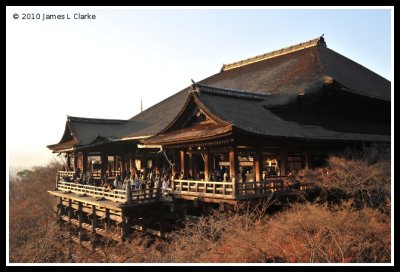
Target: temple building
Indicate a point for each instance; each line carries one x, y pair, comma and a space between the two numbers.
258, 118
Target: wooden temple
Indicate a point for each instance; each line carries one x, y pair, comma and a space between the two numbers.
233, 136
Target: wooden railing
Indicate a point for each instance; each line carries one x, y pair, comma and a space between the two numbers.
261, 187
116, 195
69, 174
203, 187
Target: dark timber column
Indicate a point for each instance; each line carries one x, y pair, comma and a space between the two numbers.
104, 164
307, 160
232, 168
68, 162
80, 220
283, 165
191, 165
206, 165
84, 162
107, 223
122, 163
69, 211
75, 161
115, 165
258, 165
93, 225
123, 224
174, 161
93, 219
144, 166
182, 154
132, 164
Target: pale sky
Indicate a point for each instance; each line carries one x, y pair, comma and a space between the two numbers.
103, 67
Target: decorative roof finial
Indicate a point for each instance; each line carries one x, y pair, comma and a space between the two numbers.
322, 40
194, 84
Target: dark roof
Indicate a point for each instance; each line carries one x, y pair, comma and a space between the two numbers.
250, 116
86, 131
188, 134
155, 118
238, 93
302, 68
81, 131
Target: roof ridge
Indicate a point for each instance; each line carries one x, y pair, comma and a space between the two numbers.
96, 120
228, 92
283, 51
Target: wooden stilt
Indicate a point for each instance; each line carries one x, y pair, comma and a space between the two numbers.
69, 210
94, 218
80, 219
123, 224
107, 223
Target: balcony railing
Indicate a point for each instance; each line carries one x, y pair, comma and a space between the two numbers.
214, 189
115, 195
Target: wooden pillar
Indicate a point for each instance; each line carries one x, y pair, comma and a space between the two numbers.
115, 165
123, 224
206, 166
107, 222
61, 213
75, 161
182, 154
122, 163
80, 220
68, 162
132, 164
85, 162
191, 165
144, 164
61, 207
93, 219
104, 164
174, 161
307, 160
128, 193
232, 169
283, 165
258, 165
69, 210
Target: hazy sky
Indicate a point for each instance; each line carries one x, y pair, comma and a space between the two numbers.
103, 67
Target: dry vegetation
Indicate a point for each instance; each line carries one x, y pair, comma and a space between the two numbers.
347, 221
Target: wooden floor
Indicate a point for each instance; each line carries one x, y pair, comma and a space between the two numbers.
98, 201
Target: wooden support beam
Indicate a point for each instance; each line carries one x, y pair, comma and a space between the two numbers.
132, 164
94, 218
115, 165
70, 210
258, 165
307, 160
191, 166
104, 164
68, 162
61, 207
283, 156
122, 165
123, 225
206, 166
233, 163
85, 162
80, 221
174, 160
108, 222
182, 155
75, 161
